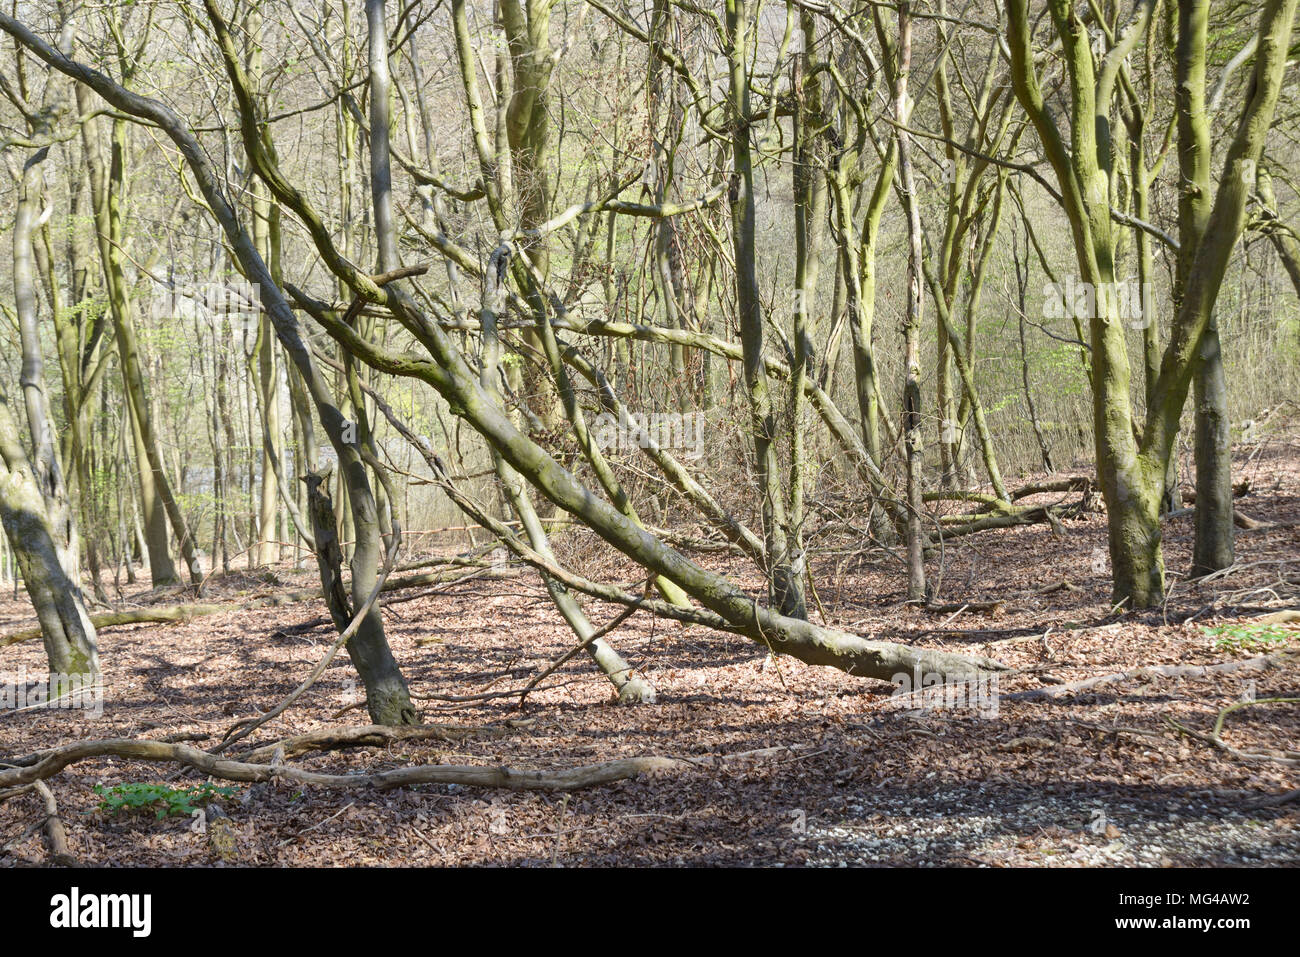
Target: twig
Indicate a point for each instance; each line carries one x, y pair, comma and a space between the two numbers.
318, 824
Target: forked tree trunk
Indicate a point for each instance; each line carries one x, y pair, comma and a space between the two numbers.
1133, 497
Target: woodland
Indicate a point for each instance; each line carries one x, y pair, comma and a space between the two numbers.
649, 432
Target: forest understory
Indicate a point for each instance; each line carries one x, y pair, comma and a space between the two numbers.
773, 762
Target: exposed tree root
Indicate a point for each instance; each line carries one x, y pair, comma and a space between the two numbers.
45, 764
1214, 736
369, 735
55, 832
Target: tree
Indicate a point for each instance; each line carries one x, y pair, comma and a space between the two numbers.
1132, 457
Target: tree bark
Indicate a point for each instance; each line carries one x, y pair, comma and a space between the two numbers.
66, 629
916, 585
784, 587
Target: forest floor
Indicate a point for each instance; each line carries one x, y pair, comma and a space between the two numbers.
844, 773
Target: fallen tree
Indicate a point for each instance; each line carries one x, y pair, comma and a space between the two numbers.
42, 765
571, 779
448, 372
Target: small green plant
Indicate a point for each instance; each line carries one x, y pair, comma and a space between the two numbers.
164, 801
1249, 637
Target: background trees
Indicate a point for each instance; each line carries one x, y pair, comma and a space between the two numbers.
480, 233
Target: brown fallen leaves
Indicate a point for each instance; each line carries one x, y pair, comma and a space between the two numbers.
850, 780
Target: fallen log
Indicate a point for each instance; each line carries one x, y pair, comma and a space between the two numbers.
45, 764
1242, 520
569, 779
1238, 490
55, 832
1075, 483
139, 616
1239, 519
1033, 515
955, 495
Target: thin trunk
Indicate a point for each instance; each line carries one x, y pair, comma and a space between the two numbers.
916, 585
1282, 235
784, 589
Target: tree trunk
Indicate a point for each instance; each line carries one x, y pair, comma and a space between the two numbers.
1213, 546
34, 505
1134, 535
785, 590
387, 696
916, 586
69, 636
1281, 234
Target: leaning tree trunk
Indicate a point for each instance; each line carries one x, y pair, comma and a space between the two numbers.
34, 506
632, 688
1283, 237
66, 628
450, 375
